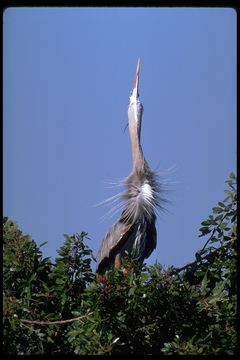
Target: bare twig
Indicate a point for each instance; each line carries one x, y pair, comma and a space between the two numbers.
57, 322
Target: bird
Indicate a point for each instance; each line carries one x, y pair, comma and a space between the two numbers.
134, 233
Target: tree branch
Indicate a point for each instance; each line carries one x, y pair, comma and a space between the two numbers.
57, 322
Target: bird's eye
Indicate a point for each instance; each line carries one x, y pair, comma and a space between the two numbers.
130, 93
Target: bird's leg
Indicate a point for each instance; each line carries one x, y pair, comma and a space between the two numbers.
117, 262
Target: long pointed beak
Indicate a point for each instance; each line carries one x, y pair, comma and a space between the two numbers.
136, 80
135, 94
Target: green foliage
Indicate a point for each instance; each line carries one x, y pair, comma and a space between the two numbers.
65, 308
34, 288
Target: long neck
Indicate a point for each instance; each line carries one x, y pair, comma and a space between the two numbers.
135, 133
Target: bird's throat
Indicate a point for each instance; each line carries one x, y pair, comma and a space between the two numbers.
137, 153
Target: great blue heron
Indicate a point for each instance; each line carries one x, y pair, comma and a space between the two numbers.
134, 233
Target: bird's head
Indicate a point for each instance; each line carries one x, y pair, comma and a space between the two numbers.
135, 107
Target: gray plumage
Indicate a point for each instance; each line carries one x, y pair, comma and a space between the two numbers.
134, 233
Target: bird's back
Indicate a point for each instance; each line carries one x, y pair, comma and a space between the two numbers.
137, 239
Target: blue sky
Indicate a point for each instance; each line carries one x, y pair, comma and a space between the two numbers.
67, 77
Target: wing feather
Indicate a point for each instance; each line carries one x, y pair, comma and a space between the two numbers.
138, 239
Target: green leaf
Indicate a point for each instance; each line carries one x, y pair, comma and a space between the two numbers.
219, 288
32, 277
200, 273
206, 222
214, 239
232, 176
223, 226
76, 313
205, 230
131, 291
219, 217
198, 256
229, 193
217, 210
60, 281
204, 283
